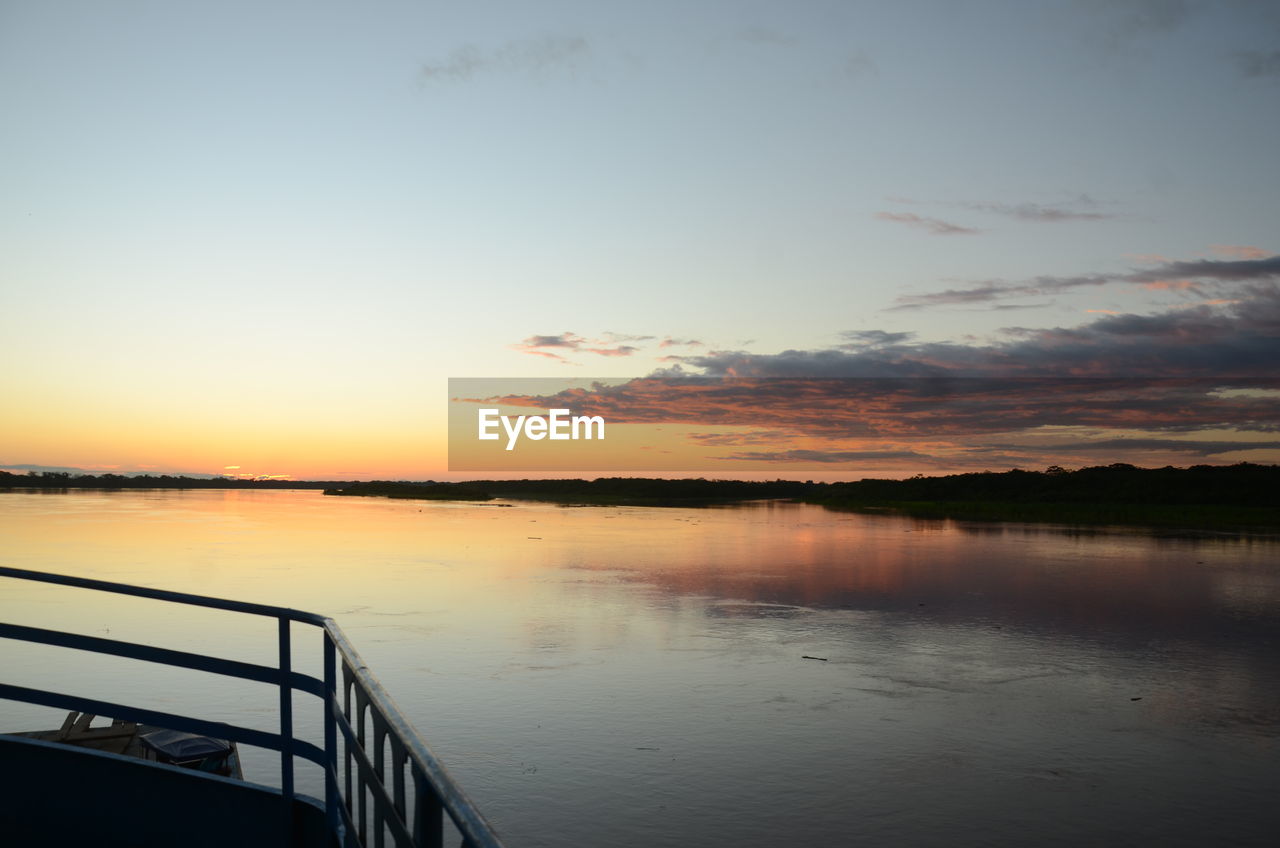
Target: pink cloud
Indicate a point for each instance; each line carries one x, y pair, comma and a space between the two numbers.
548, 354
1239, 251
935, 226
1169, 285
572, 342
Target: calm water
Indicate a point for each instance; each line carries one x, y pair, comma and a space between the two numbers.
636, 677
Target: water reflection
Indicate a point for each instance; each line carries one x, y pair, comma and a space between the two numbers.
1039, 579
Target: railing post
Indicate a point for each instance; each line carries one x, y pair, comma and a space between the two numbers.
331, 799
380, 774
286, 726
428, 818
362, 779
348, 798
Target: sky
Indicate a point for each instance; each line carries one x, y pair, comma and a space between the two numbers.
259, 239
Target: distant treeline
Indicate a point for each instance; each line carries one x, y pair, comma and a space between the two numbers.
605, 490
1231, 485
415, 491
1220, 496
1233, 497
1244, 484
67, 480
1204, 496
618, 490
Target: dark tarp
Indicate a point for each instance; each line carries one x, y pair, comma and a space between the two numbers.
178, 746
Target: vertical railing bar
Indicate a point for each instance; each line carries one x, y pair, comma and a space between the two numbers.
428, 819
379, 767
398, 759
346, 743
330, 734
286, 725
361, 781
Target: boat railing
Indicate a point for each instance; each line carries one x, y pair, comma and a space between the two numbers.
403, 796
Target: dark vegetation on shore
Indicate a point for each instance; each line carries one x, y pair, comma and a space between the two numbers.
415, 491
1203, 496
67, 480
616, 491
650, 491
1244, 495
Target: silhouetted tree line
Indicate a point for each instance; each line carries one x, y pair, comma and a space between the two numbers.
67, 480
650, 488
605, 490
1244, 484
419, 491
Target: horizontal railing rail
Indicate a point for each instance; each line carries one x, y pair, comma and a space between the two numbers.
410, 817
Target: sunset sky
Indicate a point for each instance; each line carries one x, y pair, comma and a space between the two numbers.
258, 238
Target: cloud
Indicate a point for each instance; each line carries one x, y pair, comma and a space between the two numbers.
673, 342
934, 225
801, 455
935, 414
860, 65
1080, 208
569, 340
764, 35
1171, 285
1127, 20
547, 354
1198, 447
1255, 63
1172, 381
738, 438
990, 291
1178, 275
530, 57
1238, 251
872, 338
1037, 212
1241, 338
548, 346
1229, 270
625, 337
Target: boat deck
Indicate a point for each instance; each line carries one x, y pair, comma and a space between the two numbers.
119, 737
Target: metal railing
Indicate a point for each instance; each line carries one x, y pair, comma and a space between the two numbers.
363, 807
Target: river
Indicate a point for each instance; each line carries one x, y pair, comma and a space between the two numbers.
763, 674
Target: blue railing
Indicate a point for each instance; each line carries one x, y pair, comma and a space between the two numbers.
372, 801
